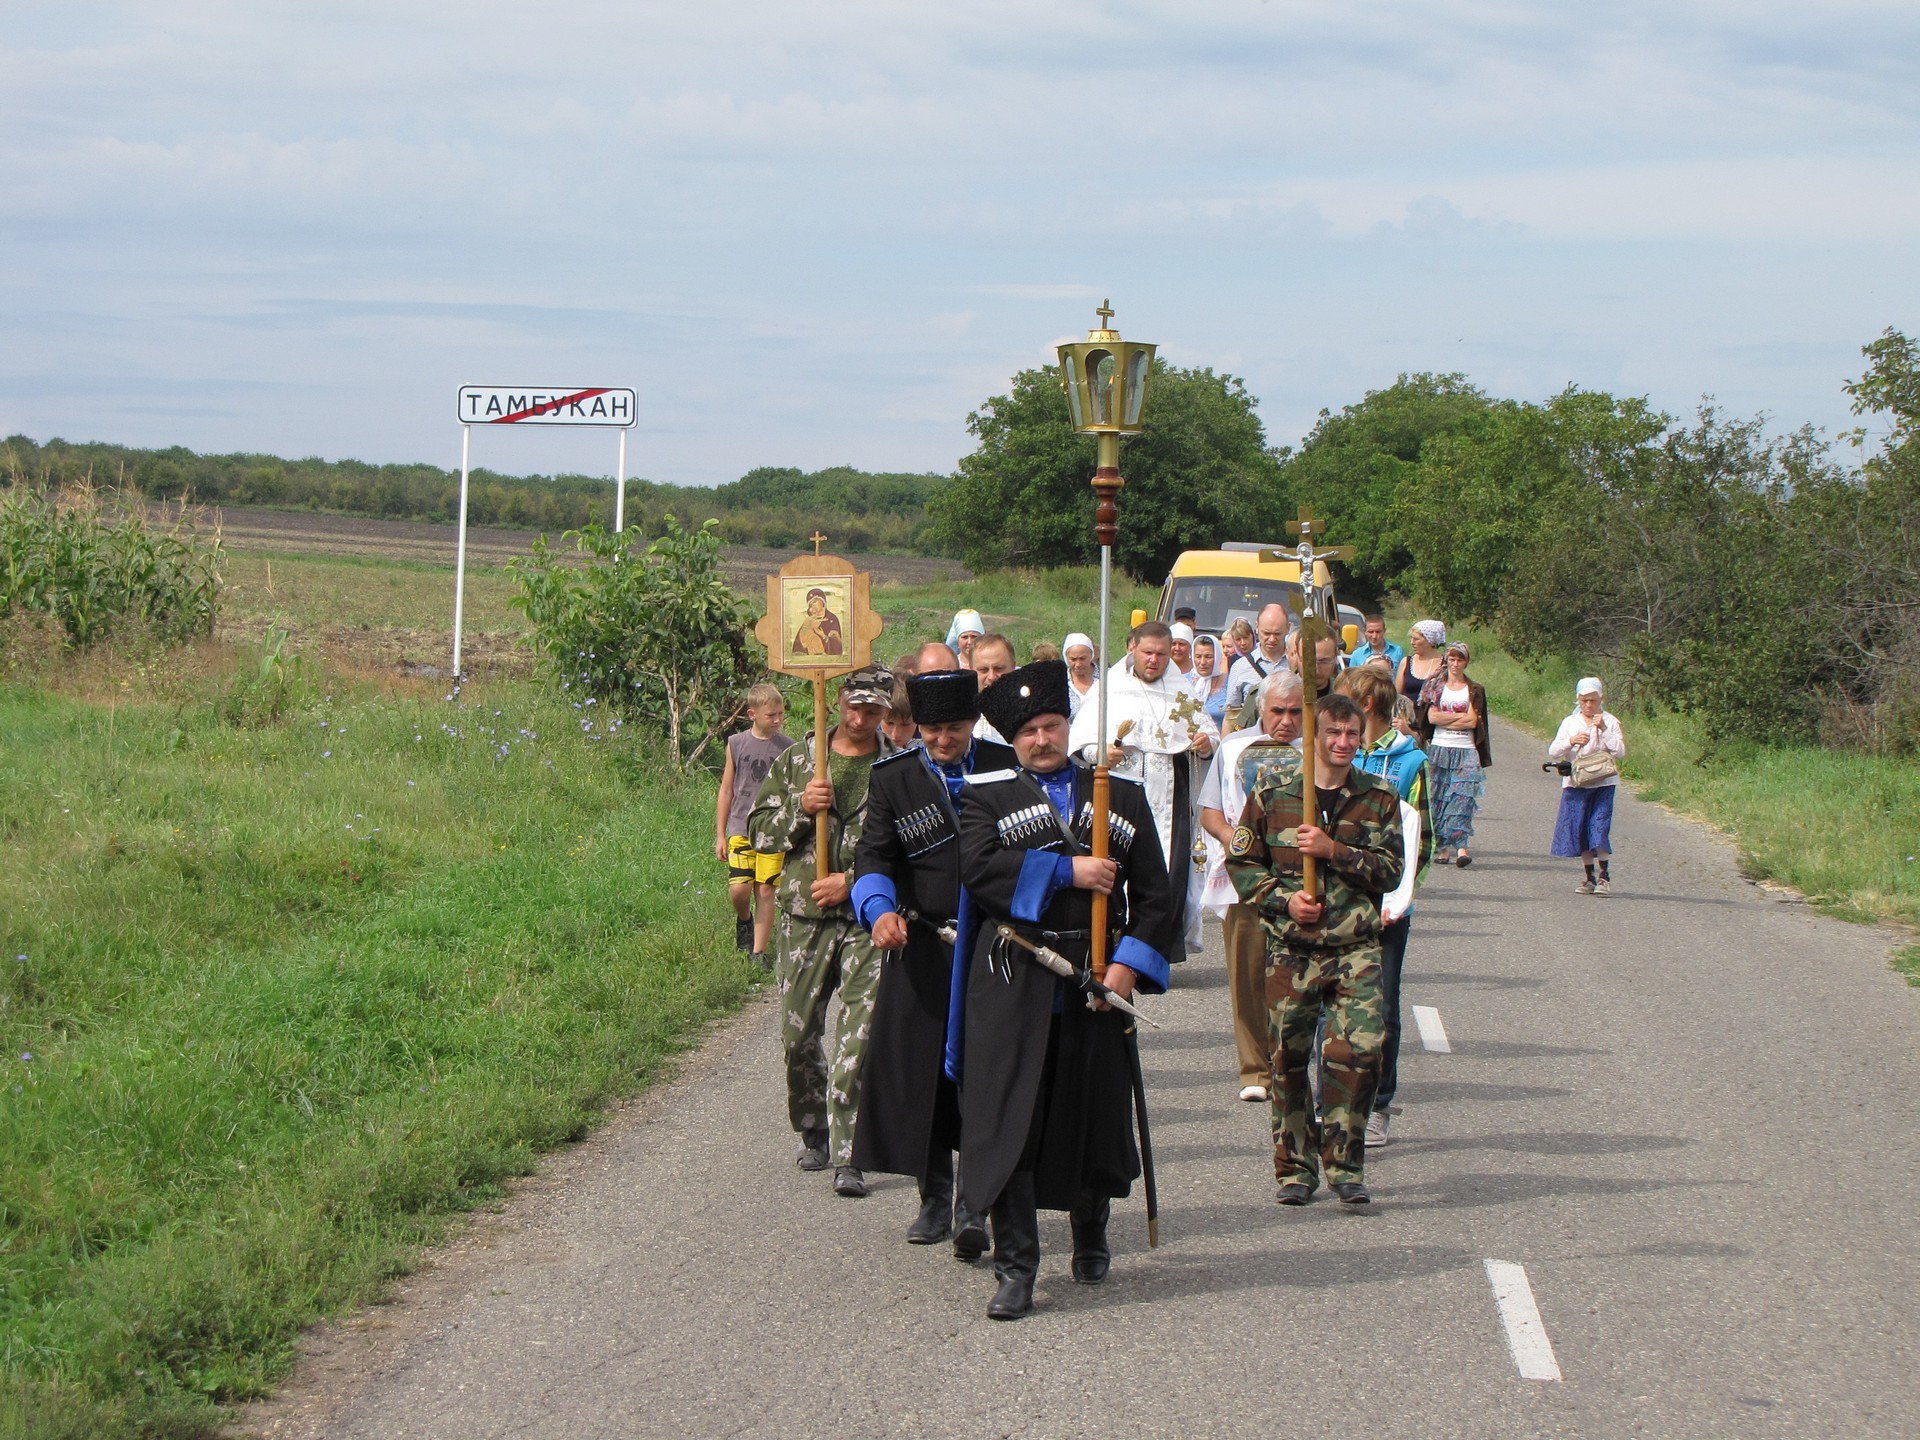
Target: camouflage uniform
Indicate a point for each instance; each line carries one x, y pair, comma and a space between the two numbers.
819, 951
1331, 968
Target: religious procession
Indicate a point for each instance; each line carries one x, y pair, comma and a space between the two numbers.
982, 868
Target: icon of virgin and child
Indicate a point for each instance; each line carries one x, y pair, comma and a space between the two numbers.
819, 633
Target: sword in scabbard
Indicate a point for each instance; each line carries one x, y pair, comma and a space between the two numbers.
947, 930
1139, 1079
1067, 970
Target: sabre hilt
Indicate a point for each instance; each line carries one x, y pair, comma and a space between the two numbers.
1063, 967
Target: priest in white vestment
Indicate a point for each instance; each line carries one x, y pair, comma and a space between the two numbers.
1155, 728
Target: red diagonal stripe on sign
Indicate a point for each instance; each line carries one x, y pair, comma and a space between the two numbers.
550, 406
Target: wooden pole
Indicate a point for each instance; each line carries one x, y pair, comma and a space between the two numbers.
820, 772
1309, 793
1106, 530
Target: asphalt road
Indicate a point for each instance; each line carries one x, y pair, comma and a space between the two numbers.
1687, 1114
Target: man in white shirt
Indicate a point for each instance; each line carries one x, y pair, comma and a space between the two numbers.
992, 658
1268, 654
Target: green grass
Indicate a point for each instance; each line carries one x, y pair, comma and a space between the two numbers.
287, 998
1026, 606
1842, 828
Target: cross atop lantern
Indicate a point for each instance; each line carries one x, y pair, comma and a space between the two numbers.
1106, 378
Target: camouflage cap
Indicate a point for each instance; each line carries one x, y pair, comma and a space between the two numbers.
869, 685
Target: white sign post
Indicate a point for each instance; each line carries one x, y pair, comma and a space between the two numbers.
596, 406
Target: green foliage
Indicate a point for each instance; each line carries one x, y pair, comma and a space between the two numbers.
1200, 473
1355, 466
653, 635
93, 568
1716, 569
269, 692
293, 994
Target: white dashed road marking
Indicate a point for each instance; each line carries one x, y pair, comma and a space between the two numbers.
1526, 1336
1433, 1035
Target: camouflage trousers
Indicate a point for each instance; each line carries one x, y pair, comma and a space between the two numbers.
816, 960
1344, 986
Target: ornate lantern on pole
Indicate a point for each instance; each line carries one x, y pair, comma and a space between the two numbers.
1106, 380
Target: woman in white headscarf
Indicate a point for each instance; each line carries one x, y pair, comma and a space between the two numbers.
1424, 660
1209, 684
967, 627
1077, 651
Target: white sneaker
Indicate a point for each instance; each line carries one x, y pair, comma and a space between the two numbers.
1585, 887
1376, 1129
1253, 1092
1603, 887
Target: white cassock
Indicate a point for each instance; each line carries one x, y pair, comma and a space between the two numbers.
1156, 723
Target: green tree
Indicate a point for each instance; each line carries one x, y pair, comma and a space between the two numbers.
1200, 473
651, 634
1354, 466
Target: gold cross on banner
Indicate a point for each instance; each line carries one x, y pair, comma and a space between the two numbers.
818, 540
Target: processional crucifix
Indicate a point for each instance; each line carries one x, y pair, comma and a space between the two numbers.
1313, 629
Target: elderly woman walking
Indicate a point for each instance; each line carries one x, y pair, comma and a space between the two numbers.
1209, 684
1592, 744
1451, 715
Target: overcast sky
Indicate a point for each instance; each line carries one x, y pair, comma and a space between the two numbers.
821, 233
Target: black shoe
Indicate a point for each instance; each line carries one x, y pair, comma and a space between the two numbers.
849, 1183
743, 935
1091, 1257
762, 961
1294, 1193
1016, 1248
1352, 1192
935, 1221
1013, 1300
970, 1237
813, 1150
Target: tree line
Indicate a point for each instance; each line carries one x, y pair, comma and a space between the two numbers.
770, 506
1769, 583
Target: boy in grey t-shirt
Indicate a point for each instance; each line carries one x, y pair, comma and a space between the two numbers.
750, 874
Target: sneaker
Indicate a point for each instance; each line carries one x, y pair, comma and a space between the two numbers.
849, 1183
1253, 1092
1603, 887
813, 1150
1585, 887
1376, 1129
763, 960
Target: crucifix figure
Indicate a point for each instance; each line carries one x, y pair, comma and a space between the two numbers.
818, 540
1313, 629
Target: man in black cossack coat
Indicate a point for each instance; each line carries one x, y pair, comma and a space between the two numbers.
1045, 1082
906, 887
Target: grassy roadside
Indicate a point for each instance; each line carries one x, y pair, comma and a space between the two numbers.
278, 1001
1843, 829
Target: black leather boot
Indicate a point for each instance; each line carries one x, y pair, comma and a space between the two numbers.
1091, 1257
935, 1221
969, 1227
1016, 1249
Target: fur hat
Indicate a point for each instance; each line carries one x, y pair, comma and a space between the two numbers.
940, 696
1018, 696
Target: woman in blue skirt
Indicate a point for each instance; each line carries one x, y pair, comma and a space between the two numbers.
1585, 824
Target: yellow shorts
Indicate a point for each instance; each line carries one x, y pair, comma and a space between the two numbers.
747, 866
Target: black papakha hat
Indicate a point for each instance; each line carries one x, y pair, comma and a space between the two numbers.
940, 696
1019, 695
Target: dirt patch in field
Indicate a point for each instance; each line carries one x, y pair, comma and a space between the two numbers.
301, 532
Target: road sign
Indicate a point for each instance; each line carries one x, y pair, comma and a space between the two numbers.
601, 405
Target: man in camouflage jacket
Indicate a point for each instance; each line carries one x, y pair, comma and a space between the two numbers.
1323, 953
820, 947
